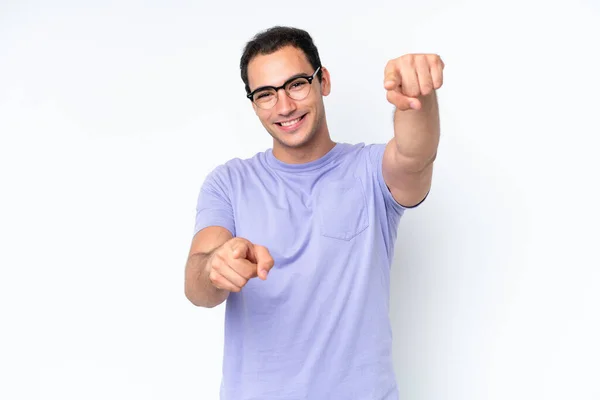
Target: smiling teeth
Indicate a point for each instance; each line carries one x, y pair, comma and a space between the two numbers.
288, 123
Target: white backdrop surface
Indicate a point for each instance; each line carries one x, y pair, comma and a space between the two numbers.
112, 113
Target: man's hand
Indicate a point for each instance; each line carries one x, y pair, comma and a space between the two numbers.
411, 76
237, 261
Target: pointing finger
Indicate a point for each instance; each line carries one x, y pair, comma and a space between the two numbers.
264, 261
392, 79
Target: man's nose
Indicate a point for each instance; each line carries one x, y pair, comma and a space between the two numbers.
285, 105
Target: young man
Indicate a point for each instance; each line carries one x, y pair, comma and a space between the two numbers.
316, 222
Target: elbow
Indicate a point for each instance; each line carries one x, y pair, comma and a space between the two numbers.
198, 300
193, 297
415, 165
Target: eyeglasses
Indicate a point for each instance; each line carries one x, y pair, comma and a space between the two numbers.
297, 88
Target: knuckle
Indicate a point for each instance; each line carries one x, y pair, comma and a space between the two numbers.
243, 244
240, 268
213, 276
409, 60
220, 252
241, 282
215, 264
390, 96
391, 67
246, 274
252, 273
412, 91
234, 241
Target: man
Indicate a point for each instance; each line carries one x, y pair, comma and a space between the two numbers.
316, 222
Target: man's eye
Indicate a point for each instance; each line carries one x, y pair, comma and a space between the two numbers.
297, 84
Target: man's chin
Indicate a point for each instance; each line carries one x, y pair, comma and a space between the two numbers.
291, 140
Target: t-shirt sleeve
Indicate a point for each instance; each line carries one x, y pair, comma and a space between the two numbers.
214, 207
376, 156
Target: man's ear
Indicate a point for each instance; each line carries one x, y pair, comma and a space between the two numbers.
325, 82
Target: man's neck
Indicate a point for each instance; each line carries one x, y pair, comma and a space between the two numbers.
310, 152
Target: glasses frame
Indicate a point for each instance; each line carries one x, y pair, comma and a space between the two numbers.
310, 79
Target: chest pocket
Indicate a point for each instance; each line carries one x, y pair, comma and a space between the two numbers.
342, 209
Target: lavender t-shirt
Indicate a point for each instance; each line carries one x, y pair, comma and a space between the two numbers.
318, 327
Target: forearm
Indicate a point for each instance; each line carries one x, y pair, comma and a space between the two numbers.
198, 288
417, 133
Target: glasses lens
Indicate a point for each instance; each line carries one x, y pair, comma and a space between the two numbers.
298, 89
265, 98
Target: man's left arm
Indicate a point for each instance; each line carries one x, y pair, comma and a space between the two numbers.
411, 82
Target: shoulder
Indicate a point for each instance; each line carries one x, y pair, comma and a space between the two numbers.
239, 164
236, 168
361, 153
361, 148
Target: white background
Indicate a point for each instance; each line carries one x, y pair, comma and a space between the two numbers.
112, 113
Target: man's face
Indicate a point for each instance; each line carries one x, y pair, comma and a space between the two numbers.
292, 123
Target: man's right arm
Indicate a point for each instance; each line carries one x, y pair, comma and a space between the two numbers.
198, 287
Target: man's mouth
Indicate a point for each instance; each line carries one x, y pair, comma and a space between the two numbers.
291, 124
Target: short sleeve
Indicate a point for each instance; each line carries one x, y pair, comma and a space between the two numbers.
214, 206
376, 157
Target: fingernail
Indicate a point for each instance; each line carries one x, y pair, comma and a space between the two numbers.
413, 105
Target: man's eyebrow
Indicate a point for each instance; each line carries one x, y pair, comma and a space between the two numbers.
300, 75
